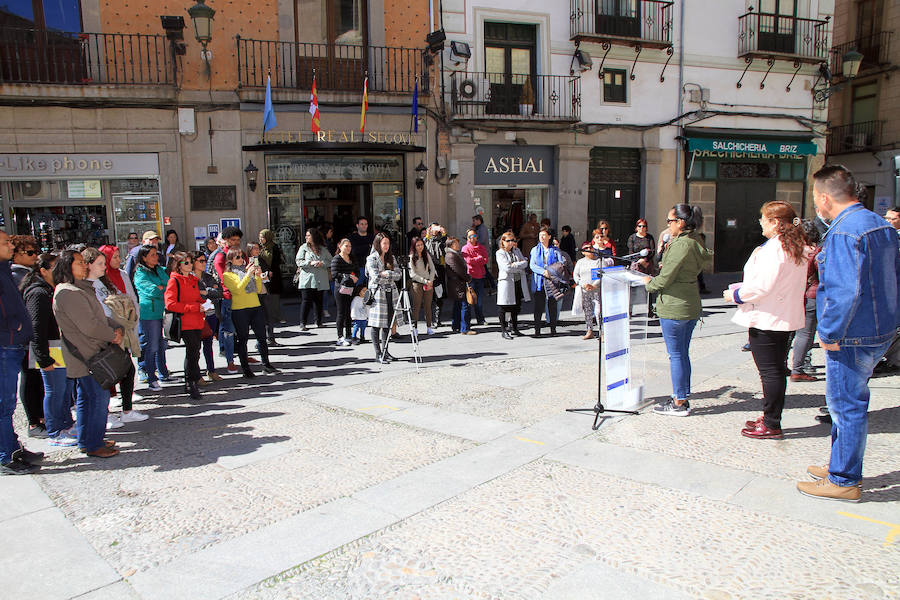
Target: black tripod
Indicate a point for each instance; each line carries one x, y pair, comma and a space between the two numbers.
599, 409
403, 306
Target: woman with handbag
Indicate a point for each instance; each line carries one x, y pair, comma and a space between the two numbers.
512, 285
85, 331
150, 281
383, 271
183, 298
458, 279
313, 260
246, 312
123, 311
37, 291
343, 270
211, 290
423, 273
542, 256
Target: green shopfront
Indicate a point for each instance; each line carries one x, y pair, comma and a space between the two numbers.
731, 176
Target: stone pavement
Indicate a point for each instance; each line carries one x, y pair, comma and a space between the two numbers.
465, 478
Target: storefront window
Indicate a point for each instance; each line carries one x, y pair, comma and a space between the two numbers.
507, 209
56, 227
387, 211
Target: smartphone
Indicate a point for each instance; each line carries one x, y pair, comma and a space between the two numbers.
254, 261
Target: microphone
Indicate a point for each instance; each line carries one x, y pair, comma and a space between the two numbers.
642, 254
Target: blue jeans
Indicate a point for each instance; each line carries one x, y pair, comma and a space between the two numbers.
91, 410
226, 331
151, 345
161, 365
359, 326
478, 286
847, 373
677, 335
57, 401
462, 316
10, 364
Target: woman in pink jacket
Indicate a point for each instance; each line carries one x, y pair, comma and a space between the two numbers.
477, 260
771, 303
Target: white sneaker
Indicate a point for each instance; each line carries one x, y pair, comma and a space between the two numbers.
155, 386
114, 422
340, 342
133, 416
429, 331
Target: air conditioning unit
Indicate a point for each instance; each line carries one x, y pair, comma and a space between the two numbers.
32, 189
474, 89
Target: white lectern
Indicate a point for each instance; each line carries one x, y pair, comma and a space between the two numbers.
623, 392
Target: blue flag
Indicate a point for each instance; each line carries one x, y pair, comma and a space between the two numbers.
415, 107
269, 120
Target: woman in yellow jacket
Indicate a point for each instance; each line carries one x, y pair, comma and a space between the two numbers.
243, 282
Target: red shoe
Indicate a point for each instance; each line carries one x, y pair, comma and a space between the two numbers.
252, 360
753, 424
803, 377
761, 432
232, 368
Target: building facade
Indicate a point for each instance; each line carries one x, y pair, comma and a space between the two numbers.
641, 104
575, 111
114, 121
864, 131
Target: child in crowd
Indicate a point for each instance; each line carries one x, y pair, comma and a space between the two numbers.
359, 313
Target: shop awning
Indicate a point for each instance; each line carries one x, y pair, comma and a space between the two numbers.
784, 147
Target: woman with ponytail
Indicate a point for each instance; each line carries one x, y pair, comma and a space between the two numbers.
771, 303
678, 302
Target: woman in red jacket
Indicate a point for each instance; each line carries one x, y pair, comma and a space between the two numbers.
183, 296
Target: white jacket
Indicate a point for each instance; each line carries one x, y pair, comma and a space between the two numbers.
772, 295
358, 310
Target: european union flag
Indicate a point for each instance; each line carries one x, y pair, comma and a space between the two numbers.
415, 107
269, 120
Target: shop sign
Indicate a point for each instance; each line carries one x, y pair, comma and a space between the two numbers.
334, 168
232, 222
58, 166
739, 148
514, 165
339, 136
213, 230
213, 197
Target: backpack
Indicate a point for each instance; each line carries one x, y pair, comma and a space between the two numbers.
210, 264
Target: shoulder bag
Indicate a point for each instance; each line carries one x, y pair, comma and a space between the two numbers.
172, 321
369, 296
471, 295
107, 367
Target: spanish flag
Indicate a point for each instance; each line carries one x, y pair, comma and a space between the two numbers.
314, 107
365, 106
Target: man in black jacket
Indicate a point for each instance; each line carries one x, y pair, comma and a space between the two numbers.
15, 333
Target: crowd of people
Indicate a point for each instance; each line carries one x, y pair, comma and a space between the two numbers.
59, 308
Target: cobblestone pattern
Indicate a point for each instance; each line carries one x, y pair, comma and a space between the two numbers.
165, 495
513, 537
720, 407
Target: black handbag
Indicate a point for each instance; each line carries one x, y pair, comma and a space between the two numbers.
172, 321
108, 366
369, 296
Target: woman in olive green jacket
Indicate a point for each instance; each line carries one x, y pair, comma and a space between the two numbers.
678, 303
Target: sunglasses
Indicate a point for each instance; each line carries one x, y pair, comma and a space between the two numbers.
604, 229
671, 220
29, 252
642, 227
473, 237
184, 262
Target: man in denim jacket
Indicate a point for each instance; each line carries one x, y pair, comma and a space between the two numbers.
857, 310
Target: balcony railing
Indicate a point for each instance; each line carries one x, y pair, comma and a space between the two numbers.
337, 67
771, 35
42, 56
507, 96
874, 48
857, 137
648, 22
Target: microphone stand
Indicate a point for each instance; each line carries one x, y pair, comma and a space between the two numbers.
598, 408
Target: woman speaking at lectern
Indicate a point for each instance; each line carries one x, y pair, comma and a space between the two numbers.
678, 303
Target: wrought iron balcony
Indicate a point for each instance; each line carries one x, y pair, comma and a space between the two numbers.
515, 97
767, 35
875, 49
634, 22
856, 137
43, 56
337, 67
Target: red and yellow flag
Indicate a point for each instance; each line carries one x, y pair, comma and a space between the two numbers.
365, 106
314, 107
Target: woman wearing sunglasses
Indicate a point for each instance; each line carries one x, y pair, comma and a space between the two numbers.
642, 239
603, 239
183, 296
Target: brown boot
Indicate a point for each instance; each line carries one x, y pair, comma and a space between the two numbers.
104, 452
